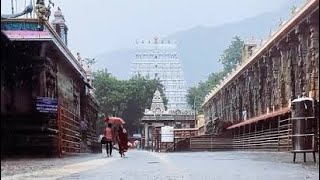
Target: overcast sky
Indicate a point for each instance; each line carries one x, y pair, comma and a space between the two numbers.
98, 26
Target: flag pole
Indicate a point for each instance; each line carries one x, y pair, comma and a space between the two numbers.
12, 9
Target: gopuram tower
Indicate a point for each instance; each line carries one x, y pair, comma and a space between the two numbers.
158, 59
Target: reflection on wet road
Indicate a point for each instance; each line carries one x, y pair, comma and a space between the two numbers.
143, 165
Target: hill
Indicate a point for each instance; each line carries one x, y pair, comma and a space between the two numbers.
200, 47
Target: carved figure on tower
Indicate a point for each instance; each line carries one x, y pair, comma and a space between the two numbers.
43, 13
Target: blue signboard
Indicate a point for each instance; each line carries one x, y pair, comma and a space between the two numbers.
18, 26
47, 105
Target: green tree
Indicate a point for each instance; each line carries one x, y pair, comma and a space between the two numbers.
195, 95
232, 55
90, 61
214, 79
125, 98
106, 87
194, 98
229, 59
140, 94
107, 91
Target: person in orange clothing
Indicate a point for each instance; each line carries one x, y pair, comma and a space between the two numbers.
122, 140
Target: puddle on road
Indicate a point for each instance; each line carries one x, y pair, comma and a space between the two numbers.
60, 172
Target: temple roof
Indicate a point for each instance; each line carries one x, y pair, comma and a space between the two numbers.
157, 105
58, 17
251, 41
157, 97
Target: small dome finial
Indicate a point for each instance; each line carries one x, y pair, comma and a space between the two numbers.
156, 40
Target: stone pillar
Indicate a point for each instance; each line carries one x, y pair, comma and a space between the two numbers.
269, 82
246, 92
283, 71
226, 104
262, 85
63, 33
250, 92
293, 66
220, 104
43, 49
256, 87
42, 84
314, 55
243, 95
230, 101
275, 58
234, 101
302, 58
208, 108
206, 113
42, 73
146, 135
239, 99
221, 93
214, 108
66, 37
211, 109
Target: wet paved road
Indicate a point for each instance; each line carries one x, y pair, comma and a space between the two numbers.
143, 165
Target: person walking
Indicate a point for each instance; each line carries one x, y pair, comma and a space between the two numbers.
122, 140
108, 134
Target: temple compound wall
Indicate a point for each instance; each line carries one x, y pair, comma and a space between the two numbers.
47, 99
256, 96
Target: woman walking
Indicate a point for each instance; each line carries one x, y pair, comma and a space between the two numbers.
108, 134
122, 140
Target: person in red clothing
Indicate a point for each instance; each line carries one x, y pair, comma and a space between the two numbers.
108, 134
122, 140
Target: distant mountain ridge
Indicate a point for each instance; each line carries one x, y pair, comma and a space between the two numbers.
199, 48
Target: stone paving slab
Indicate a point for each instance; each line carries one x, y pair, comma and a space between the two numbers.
144, 165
